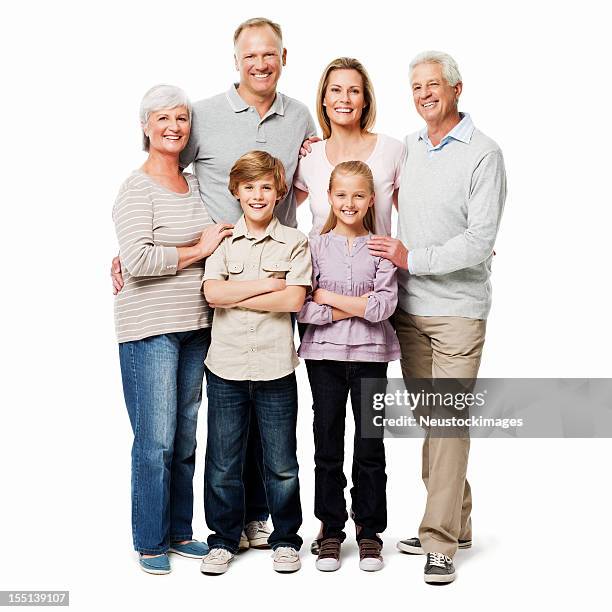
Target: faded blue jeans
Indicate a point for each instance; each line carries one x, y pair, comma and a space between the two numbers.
162, 384
231, 404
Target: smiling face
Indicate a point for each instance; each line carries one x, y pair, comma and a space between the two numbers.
168, 130
259, 58
434, 99
350, 197
344, 98
257, 199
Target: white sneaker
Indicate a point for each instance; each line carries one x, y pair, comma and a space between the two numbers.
257, 533
244, 542
286, 559
216, 561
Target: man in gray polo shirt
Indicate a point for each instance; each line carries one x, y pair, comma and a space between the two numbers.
250, 115
230, 124
451, 197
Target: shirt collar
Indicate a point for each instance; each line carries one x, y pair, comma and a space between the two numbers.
239, 105
275, 230
462, 131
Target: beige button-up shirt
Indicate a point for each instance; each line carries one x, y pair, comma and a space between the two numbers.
250, 344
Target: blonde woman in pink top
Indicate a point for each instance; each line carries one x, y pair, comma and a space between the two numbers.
346, 110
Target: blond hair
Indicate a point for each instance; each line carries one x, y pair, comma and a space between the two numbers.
253, 166
368, 115
258, 22
352, 168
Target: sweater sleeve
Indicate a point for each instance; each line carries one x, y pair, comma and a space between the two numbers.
383, 300
133, 217
311, 312
484, 210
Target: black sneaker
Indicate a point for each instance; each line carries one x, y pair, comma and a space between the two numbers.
439, 569
412, 546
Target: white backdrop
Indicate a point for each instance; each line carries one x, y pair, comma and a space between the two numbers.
536, 79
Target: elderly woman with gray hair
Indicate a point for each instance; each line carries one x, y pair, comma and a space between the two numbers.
163, 328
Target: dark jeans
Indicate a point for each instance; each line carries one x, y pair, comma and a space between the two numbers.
273, 406
331, 382
162, 384
252, 476
256, 504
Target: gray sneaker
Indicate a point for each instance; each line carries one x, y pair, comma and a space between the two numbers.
439, 569
286, 559
216, 561
244, 542
412, 546
257, 533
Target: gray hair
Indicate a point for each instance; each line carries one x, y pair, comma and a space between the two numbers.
158, 98
450, 69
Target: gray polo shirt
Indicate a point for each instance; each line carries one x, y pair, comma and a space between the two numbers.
225, 127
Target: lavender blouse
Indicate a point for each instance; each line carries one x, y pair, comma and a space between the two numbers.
371, 338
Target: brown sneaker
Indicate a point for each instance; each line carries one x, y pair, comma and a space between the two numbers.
370, 559
328, 559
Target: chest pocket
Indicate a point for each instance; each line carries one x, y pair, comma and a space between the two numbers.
276, 268
235, 268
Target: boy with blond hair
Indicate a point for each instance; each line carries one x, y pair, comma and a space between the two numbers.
254, 280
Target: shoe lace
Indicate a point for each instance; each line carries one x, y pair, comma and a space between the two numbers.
284, 552
218, 553
439, 559
256, 526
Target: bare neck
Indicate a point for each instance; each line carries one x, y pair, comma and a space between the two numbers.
437, 131
261, 103
347, 144
347, 138
257, 229
162, 164
349, 232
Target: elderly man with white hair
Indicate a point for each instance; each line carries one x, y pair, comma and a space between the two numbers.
451, 197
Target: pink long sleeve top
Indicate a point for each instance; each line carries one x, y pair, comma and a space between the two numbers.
354, 273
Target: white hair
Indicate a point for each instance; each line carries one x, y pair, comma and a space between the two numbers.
450, 69
160, 97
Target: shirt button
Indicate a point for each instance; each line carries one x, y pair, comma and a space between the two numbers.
251, 329
253, 349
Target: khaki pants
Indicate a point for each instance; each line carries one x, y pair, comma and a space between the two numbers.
442, 347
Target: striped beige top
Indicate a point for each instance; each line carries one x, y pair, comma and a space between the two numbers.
151, 221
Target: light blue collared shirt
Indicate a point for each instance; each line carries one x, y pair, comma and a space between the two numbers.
462, 131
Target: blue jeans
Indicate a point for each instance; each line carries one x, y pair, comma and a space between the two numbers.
162, 384
253, 477
230, 404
